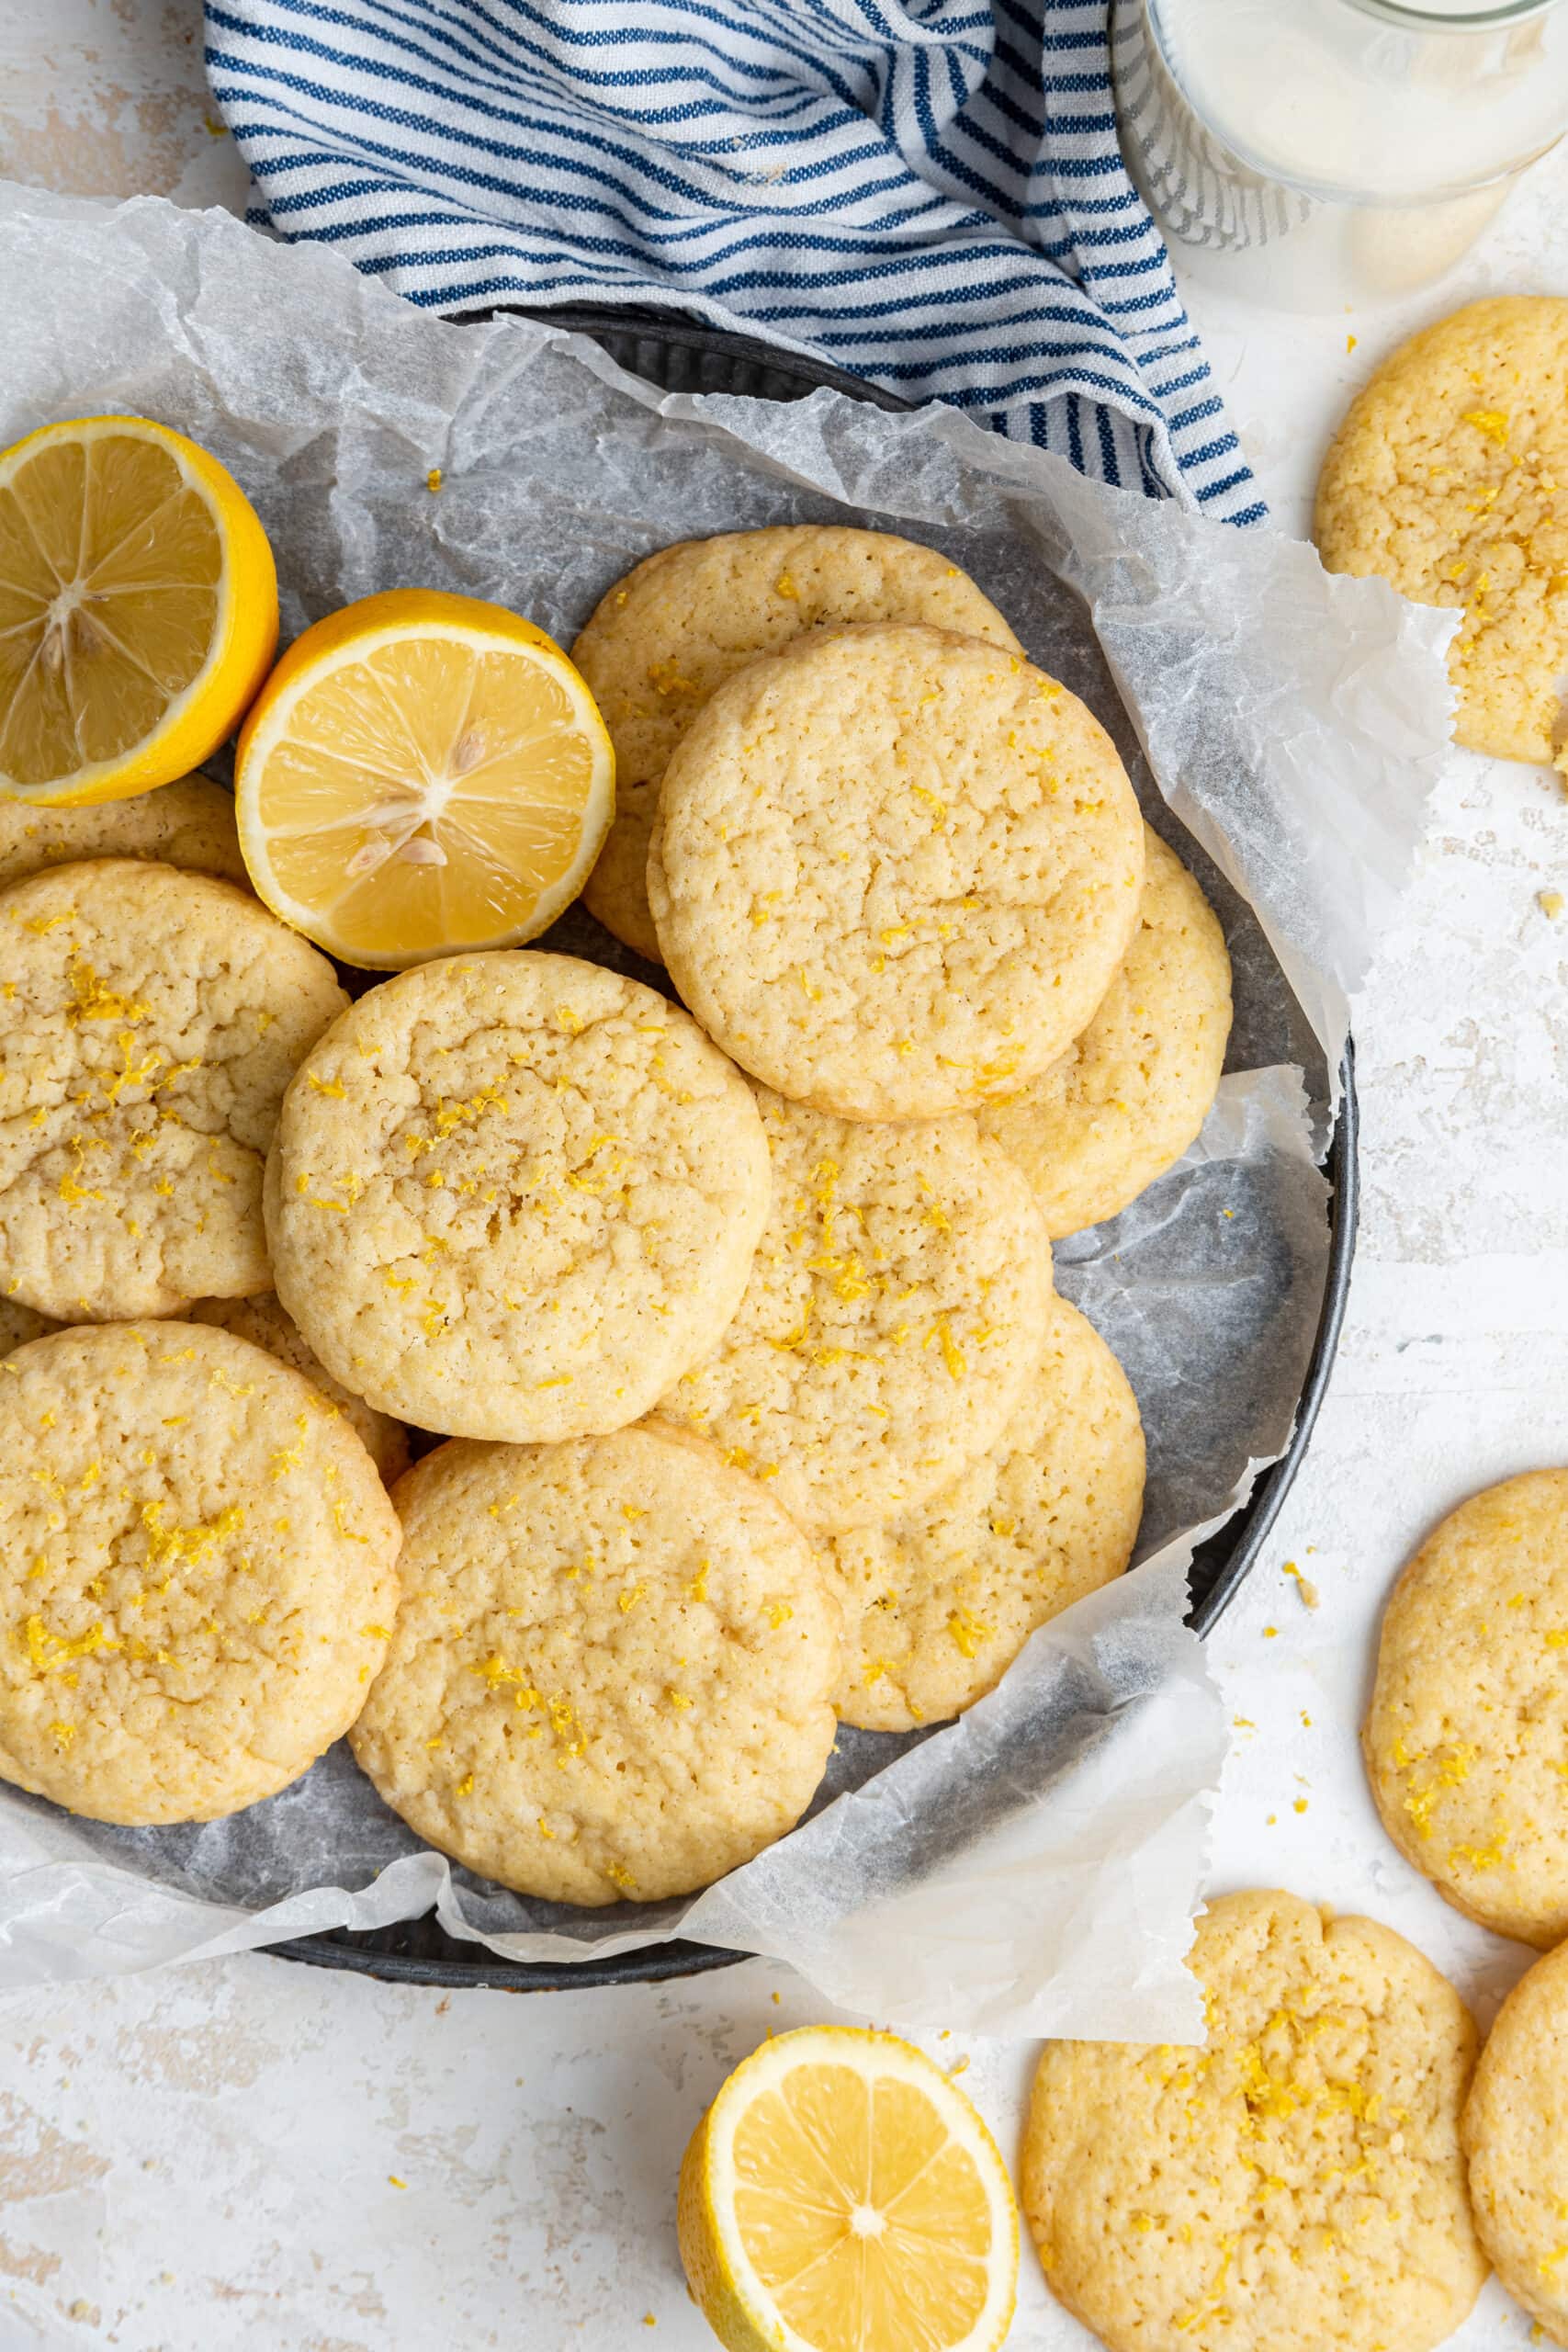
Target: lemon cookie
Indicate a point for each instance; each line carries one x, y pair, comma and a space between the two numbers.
152, 1021
1515, 2135
266, 1323
1466, 1737
895, 1309
198, 1572
686, 619
894, 870
515, 1195
938, 1602
612, 1666
1298, 2181
19, 1324
1125, 1100
188, 824
1450, 478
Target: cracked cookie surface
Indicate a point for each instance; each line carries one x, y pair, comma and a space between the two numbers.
897, 1307
938, 1602
1297, 2181
189, 824
514, 1196
1450, 478
152, 1020
612, 1668
894, 870
1466, 1737
663, 640
1129, 1095
196, 1572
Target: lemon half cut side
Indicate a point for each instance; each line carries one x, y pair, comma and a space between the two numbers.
422, 774
137, 609
841, 2195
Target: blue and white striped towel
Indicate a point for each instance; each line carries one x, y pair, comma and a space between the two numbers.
929, 194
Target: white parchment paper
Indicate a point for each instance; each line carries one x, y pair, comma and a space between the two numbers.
1033, 1867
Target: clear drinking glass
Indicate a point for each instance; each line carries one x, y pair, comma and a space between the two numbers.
1315, 153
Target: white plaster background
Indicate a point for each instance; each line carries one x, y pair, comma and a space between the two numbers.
210, 2160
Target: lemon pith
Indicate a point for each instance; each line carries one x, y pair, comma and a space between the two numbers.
137, 609
840, 2195
422, 774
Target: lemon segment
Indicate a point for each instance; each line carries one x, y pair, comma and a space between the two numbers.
841, 2195
422, 774
137, 609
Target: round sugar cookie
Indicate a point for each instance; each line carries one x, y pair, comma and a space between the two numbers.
1129, 1095
152, 1021
1298, 2181
189, 824
1516, 2136
894, 870
938, 1602
266, 1323
19, 1324
611, 1673
1466, 1737
515, 1195
895, 1309
198, 1572
1450, 478
683, 621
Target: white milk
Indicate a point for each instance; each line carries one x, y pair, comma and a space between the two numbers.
1314, 154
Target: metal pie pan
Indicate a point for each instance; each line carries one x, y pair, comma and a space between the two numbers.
686, 356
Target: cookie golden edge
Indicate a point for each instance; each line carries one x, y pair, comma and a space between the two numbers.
1338, 499
1528, 1923
1251, 1911
189, 824
1524, 2243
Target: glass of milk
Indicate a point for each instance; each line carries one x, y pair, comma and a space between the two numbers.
1318, 153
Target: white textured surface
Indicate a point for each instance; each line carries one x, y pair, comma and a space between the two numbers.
203, 2162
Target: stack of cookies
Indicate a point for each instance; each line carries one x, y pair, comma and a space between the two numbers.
736, 1311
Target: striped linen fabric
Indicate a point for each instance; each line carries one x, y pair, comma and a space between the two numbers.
930, 195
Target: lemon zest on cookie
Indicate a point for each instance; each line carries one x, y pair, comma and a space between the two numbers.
48, 1652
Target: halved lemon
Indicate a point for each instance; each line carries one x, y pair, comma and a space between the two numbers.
137, 609
422, 774
841, 2195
